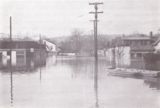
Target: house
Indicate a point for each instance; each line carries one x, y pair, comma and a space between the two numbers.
154, 57
133, 48
101, 52
27, 64
157, 46
139, 44
50, 46
19, 49
119, 56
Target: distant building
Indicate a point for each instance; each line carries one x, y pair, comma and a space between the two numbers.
119, 56
157, 46
139, 44
50, 46
101, 52
130, 50
20, 48
154, 57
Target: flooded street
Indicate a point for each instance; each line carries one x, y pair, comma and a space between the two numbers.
65, 82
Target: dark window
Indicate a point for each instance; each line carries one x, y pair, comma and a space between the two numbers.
8, 52
148, 42
139, 55
132, 55
20, 52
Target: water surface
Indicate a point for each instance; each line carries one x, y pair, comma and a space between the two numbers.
65, 82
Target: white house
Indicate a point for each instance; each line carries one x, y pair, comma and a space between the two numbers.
50, 47
157, 46
120, 56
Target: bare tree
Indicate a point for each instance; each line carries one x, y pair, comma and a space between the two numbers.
76, 40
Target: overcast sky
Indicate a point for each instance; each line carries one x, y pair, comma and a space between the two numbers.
60, 17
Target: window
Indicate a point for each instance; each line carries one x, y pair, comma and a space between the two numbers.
139, 55
148, 42
20, 52
8, 52
133, 55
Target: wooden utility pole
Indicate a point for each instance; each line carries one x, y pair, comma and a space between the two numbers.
11, 73
10, 28
10, 33
95, 21
95, 28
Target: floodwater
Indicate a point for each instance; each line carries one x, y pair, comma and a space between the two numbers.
65, 82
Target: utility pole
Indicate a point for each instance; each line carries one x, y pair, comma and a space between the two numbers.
10, 28
96, 28
95, 21
10, 21
11, 73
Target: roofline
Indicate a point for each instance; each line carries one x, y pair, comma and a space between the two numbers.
134, 39
17, 40
155, 43
49, 41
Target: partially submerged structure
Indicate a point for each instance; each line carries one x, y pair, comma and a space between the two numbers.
20, 49
131, 51
157, 45
50, 46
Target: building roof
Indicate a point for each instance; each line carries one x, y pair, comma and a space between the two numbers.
156, 42
136, 37
16, 44
50, 41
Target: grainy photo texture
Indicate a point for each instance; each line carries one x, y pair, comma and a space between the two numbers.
79, 53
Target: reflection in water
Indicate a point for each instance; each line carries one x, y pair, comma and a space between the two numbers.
40, 74
11, 78
96, 83
150, 81
24, 64
142, 64
69, 83
85, 67
11, 84
153, 83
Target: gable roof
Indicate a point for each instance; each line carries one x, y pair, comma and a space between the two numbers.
50, 41
156, 42
136, 37
5, 44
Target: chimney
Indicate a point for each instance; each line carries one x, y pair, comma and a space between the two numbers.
151, 34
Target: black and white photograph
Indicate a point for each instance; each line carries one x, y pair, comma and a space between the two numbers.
79, 53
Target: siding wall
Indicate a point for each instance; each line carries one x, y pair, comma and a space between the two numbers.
120, 56
157, 48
